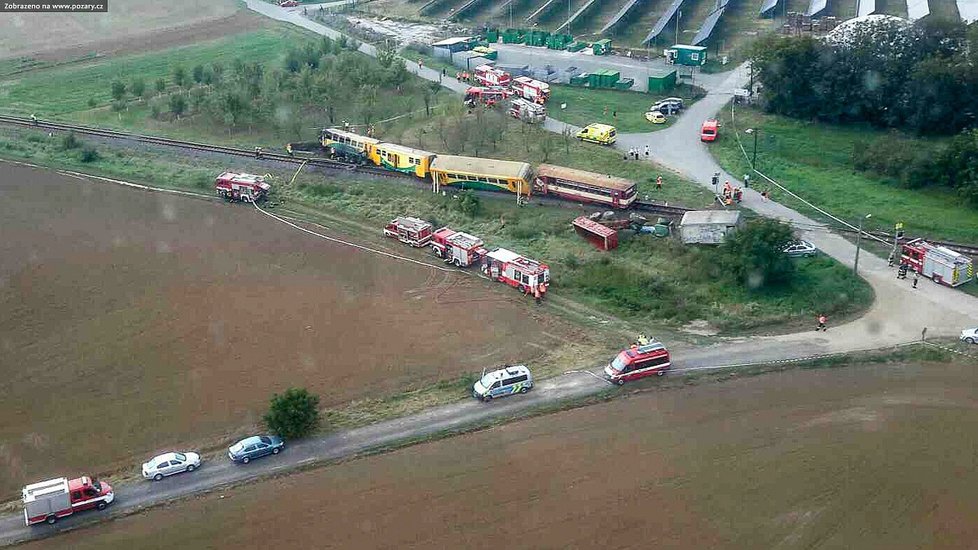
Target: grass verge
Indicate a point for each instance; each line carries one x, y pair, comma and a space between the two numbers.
622, 109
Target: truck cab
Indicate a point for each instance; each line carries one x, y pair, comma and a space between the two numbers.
639, 361
602, 134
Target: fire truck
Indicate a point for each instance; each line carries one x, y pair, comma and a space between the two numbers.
49, 500
457, 248
412, 231
532, 90
941, 264
527, 111
488, 75
234, 186
644, 358
524, 274
488, 95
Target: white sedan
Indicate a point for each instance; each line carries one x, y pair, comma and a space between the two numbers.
170, 463
970, 335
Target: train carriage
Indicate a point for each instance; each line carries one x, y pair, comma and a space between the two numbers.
400, 158
346, 145
478, 173
584, 186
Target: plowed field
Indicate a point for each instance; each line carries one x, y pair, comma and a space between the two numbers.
858, 457
135, 321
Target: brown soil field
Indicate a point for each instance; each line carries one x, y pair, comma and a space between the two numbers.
129, 27
860, 457
136, 321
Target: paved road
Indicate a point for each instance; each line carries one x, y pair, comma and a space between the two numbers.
897, 316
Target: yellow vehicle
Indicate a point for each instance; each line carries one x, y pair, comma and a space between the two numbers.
401, 158
346, 145
602, 134
478, 173
655, 117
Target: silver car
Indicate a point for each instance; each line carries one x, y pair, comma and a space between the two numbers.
970, 335
800, 249
168, 464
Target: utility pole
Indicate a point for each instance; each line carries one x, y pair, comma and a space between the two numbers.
679, 15
859, 240
753, 160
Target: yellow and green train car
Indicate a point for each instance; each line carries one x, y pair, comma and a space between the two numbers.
478, 173
401, 159
346, 145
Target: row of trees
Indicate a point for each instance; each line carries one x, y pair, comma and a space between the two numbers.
921, 77
318, 79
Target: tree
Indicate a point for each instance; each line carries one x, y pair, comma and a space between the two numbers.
118, 90
469, 203
198, 73
958, 165
179, 75
547, 145
160, 85
754, 255
178, 104
293, 414
428, 93
138, 86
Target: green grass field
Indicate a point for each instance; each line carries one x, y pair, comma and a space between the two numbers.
585, 106
814, 161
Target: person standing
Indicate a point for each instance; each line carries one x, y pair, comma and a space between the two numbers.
658, 183
916, 277
747, 181
288, 149
647, 152
822, 320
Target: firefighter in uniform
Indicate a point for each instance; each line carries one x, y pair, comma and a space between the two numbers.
288, 149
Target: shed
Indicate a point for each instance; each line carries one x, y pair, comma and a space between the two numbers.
662, 81
457, 44
708, 226
605, 238
689, 56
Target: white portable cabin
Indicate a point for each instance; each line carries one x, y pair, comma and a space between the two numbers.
708, 226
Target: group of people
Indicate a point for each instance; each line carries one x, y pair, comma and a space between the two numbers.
634, 154
903, 269
732, 194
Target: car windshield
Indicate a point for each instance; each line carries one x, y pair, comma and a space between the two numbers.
180, 456
237, 447
618, 364
488, 379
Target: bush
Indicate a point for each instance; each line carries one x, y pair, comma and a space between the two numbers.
92, 103
754, 255
293, 414
469, 204
69, 141
88, 154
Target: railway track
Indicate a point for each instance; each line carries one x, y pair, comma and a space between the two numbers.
643, 206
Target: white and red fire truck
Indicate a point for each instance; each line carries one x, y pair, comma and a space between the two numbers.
532, 90
234, 186
643, 358
941, 264
412, 231
487, 95
457, 248
488, 75
524, 274
527, 111
49, 500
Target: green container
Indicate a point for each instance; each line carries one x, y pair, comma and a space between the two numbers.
512, 36
601, 47
537, 38
491, 55
662, 81
594, 80
624, 83
492, 35
576, 46
579, 80
661, 230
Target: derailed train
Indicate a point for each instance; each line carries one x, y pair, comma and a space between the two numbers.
479, 173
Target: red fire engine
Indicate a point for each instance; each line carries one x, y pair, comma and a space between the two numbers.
488, 75
527, 111
642, 359
488, 95
241, 187
524, 274
56, 498
457, 248
410, 231
530, 89
941, 264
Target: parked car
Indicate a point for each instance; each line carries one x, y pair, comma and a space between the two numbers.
255, 446
644, 358
655, 117
710, 130
502, 382
970, 335
669, 105
168, 464
288, 4
800, 249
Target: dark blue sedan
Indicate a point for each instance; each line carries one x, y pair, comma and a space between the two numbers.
254, 447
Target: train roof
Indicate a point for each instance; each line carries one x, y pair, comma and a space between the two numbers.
482, 167
351, 135
583, 176
403, 149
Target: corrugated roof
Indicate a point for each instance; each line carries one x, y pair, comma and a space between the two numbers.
594, 227
451, 41
583, 176
710, 217
480, 166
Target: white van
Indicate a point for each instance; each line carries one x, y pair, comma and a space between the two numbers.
506, 381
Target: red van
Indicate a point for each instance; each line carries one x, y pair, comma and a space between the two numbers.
638, 362
709, 130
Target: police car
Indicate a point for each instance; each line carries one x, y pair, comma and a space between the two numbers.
506, 381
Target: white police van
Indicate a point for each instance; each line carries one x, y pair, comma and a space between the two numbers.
506, 381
